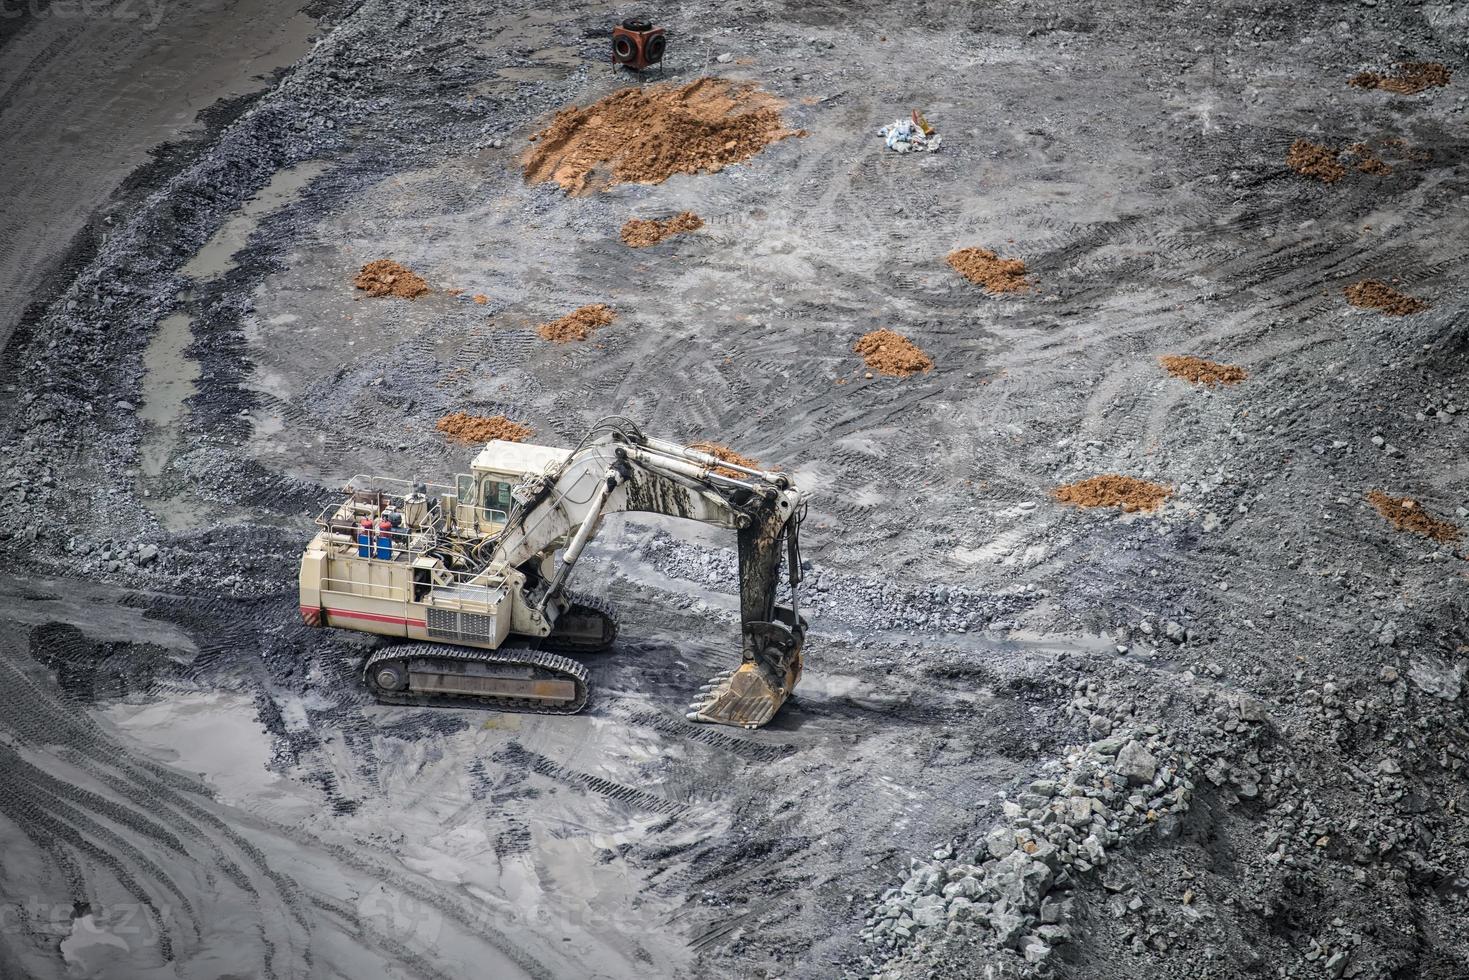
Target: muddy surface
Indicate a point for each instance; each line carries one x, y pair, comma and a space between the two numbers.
1230, 730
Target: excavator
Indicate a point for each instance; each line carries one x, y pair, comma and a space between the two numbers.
453, 574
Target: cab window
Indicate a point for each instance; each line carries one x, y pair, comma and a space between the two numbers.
497, 501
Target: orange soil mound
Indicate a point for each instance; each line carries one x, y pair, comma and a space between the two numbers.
1314, 160
640, 233
1110, 490
384, 277
1200, 371
1373, 294
578, 324
728, 455
892, 353
1407, 515
481, 298
996, 275
646, 135
1409, 78
482, 428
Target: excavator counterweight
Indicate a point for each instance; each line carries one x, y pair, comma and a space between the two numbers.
466, 577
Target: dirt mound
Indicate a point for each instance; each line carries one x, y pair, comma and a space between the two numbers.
1409, 78
728, 455
384, 277
1200, 371
646, 135
578, 324
891, 353
1373, 294
1314, 160
1407, 514
640, 233
463, 427
1110, 490
996, 275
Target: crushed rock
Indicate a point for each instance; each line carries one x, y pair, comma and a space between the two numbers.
464, 427
1315, 160
646, 135
1111, 490
729, 456
1408, 78
1200, 371
985, 268
1374, 294
578, 324
384, 277
888, 352
1406, 514
641, 232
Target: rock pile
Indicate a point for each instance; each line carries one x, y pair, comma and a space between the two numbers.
890, 353
1406, 514
384, 277
578, 324
646, 135
1373, 294
985, 268
463, 427
1013, 889
1200, 371
1112, 490
1408, 78
640, 232
1315, 161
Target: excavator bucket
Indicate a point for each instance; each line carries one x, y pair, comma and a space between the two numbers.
750, 695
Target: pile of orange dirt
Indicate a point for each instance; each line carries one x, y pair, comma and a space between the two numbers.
1373, 294
1407, 514
1200, 371
644, 135
384, 277
1110, 490
729, 456
985, 268
482, 428
1409, 78
578, 324
891, 353
640, 233
1314, 160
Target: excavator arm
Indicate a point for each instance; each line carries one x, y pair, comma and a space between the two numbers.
617, 468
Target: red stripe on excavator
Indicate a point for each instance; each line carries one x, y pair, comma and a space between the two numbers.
350, 614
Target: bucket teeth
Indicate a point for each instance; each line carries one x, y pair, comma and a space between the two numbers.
743, 698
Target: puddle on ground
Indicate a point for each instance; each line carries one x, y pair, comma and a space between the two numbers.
91, 947
169, 379
216, 257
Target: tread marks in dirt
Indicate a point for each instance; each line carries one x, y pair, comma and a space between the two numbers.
516, 755
35, 715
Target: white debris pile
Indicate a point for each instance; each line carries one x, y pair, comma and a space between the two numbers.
907, 135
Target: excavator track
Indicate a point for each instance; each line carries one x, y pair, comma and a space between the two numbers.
595, 623
442, 676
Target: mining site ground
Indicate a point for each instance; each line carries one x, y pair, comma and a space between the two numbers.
1263, 680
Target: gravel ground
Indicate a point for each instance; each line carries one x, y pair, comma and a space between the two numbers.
1221, 739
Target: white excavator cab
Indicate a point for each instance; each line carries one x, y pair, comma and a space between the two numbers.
483, 495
